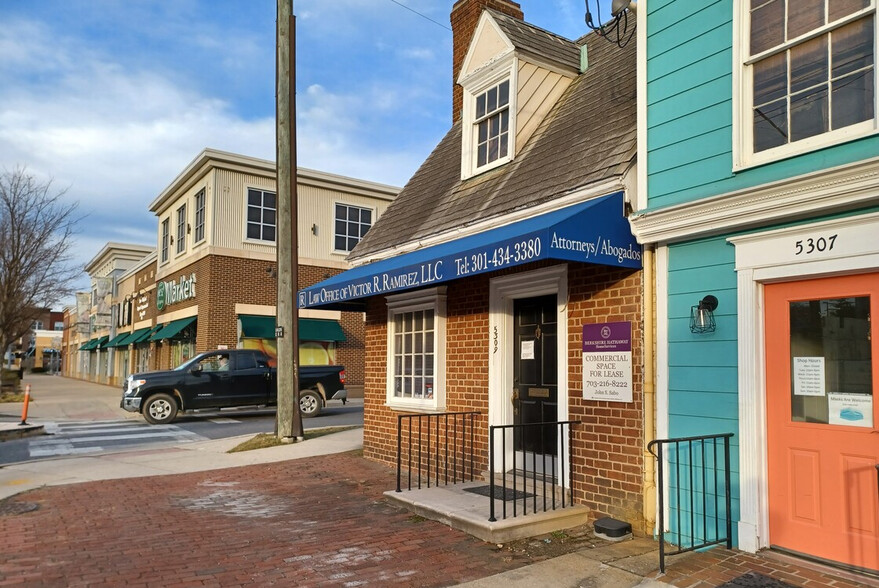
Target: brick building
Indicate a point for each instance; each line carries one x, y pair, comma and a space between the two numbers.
506, 265
211, 280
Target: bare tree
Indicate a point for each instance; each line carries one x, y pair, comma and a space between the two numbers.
36, 236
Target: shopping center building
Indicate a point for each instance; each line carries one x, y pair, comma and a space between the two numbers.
211, 280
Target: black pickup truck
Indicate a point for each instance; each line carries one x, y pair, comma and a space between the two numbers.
226, 378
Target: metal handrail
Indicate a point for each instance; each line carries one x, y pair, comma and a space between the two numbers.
695, 451
434, 446
563, 479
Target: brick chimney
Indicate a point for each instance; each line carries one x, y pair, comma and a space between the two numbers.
465, 17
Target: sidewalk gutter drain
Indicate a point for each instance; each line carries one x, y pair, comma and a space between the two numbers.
499, 493
8, 508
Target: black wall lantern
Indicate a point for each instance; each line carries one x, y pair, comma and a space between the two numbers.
702, 315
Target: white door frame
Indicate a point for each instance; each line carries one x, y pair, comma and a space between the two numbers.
763, 258
502, 292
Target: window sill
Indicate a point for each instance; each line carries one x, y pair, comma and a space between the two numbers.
417, 408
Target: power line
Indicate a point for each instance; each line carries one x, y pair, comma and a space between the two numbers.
421, 15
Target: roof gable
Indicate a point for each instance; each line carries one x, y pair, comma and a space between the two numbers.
487, 45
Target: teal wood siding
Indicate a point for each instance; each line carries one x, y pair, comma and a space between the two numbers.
702, 368
690, 109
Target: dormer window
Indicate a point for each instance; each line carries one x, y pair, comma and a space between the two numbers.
492, 121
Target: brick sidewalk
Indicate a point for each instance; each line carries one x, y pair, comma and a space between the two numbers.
319, 521
309, 522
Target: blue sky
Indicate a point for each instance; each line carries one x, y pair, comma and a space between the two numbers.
112, 99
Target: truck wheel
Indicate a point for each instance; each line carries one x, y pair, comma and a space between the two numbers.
310, 404
160, 409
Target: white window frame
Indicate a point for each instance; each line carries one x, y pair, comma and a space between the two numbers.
475, 84
165, 239
261, 223
181, 230
744, 156
429, 299
348, 206
200, 211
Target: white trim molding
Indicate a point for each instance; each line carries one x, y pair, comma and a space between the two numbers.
428, 299
776, 256
502, 292
837, 189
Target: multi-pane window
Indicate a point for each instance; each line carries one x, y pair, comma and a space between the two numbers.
414, 354
181, 229
416, 357
261, 215
492, 121
352, 222
166, 234
813, 68
199, 217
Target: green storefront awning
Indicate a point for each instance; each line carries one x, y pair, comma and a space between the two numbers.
89, 345
101, 342
117, 340
320, 330
137, 336
173, 328
257, 327
263, 327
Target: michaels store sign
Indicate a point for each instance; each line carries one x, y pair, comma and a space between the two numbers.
590, 232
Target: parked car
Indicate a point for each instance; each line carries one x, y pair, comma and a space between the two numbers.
226, 378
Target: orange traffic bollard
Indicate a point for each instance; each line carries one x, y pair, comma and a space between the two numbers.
27, 399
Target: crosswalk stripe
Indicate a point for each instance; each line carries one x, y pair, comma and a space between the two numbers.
175, 434
70, 438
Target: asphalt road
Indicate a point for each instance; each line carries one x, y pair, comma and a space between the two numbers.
81, 418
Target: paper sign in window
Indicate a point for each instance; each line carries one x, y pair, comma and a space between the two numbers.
853, 410
809, 376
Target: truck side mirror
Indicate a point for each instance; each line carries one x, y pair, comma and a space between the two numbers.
196, 369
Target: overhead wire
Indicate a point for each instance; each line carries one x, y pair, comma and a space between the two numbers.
409, 8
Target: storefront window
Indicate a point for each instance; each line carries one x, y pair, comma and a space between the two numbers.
143, 358
181, 351
831, 361
123, 362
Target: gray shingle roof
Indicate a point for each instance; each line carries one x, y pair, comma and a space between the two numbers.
531, 39
588, 137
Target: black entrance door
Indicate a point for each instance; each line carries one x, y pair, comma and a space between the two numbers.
535, 372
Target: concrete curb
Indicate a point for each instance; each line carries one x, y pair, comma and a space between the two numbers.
9, 431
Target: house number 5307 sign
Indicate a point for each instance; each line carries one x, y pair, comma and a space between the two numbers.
812, 245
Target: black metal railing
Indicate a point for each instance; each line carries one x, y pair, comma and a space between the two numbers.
535, 443
439, 448
698, 470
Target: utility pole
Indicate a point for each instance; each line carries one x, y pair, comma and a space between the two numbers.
289, 420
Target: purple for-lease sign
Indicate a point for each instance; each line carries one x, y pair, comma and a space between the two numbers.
607, 337
607, 362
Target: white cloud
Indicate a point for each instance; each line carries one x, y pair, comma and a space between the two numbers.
117, 135
417, 53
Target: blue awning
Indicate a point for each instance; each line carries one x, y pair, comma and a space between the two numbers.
590, 232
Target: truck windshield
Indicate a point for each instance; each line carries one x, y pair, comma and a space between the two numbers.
188, 364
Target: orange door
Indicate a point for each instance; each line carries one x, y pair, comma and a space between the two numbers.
822, 362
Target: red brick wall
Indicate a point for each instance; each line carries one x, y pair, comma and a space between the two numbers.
606, 447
